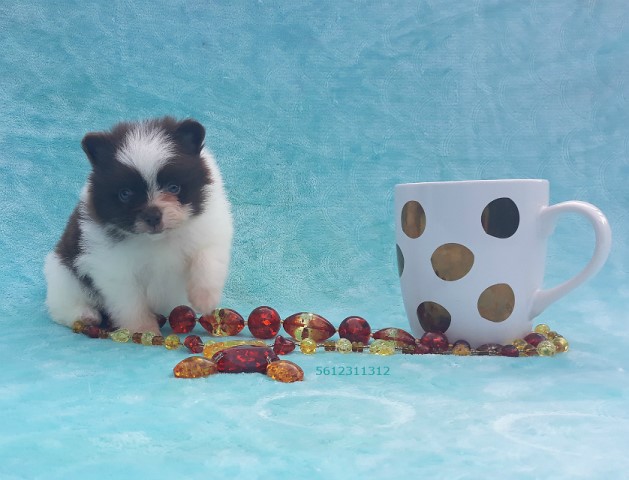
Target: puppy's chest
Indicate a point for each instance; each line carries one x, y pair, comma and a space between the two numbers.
145, 264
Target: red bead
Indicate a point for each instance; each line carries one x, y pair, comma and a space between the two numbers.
534, 338
437, 342
244, 359
161, 320
397, 335
510, 351
308, 325
92, 331
194, 343
283, 346
182, 319
264, 322
355, 329
223, 323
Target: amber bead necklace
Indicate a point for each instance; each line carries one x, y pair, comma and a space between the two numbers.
310, 332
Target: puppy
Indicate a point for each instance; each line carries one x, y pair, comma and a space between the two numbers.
152, 230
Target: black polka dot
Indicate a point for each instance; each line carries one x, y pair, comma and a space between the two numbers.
501, 218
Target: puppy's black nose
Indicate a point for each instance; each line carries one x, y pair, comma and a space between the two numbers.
152, 216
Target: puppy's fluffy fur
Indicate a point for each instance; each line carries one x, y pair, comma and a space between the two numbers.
152, 230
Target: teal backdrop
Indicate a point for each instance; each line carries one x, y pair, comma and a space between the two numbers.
314, 111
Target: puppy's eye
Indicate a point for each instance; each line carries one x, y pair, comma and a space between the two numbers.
125, 194
173, 188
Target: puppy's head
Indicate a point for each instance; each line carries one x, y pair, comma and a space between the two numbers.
147, 177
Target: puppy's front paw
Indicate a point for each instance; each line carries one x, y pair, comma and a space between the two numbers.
203, 299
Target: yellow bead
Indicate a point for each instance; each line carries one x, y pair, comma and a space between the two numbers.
382, 347
546, 348
121, 336
552, 334
375, 346
147, 338
344, 345
308, 346
172, 342
388, 348
520, 344
561, 344
542, 328
461, 350
77, 327
285, 371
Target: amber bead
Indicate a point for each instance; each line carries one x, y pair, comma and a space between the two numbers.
223, 322
182, 319
78, 326
314, 327
552, 335
437, 342
285, 371
264, 322
534, 338
308, 346
489, 349
546, 348
283, 346
510, 351
195, 367
121, 336
172, 342
461, 349
158, 340
91, 331
137, 338
519, 343
355, 329
329, 345
529, 351
358, 347
244, 359
561, 344
193, 343
396, 335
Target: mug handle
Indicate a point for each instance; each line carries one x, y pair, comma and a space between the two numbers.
602, 230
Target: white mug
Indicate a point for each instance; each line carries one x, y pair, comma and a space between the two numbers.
471, 256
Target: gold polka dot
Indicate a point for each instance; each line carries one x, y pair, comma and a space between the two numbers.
496, 303
452, 261
400, 260
501, 218
413, 219
433, 317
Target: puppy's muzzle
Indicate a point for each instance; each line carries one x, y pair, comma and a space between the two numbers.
152, 217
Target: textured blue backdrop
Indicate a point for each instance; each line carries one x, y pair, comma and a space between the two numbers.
315, 110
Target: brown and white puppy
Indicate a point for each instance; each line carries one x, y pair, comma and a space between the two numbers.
152, 230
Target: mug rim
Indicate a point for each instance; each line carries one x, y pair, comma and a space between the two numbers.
468, 182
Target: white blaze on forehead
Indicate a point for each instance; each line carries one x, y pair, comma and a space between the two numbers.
147, 149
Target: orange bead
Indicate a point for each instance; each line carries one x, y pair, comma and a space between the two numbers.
309, 325
195, 367
285, 371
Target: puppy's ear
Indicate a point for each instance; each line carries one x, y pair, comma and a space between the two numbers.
99, 148
190, 135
